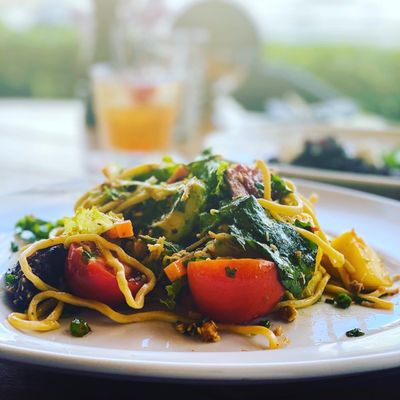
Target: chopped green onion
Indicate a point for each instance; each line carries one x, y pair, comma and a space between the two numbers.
356, 332
230, 272
265, 323
14, 247
342, 300
9, 279
79, 327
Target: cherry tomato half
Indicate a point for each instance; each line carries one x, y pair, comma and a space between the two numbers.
89, 277
234, 290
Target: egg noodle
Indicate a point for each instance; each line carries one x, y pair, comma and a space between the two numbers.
295, 206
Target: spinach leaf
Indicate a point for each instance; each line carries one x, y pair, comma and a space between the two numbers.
279, 190
144, 214
30, 228
173, 291
258, 233
211, 171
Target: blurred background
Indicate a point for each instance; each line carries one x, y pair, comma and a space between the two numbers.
87, 82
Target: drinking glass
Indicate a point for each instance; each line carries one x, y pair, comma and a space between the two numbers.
137, 96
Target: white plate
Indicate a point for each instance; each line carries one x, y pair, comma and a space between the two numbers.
351, 179
318, 344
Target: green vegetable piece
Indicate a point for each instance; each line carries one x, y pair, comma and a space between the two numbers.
210, 169
178, 223
230, 272
303, 225
14, 247
173, 291
30, 228
265, 323
342, 300
279, 190
9, 279
79, 327
356, 332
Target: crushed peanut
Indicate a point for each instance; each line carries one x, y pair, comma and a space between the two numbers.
288, 313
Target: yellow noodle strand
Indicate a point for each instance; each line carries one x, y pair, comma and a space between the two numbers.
308, 301
252, 330
266, 178
336, 258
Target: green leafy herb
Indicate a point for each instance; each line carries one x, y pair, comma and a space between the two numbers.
258, 234
14, 247
79, 327
230, 272
356, 332
303, 225
308, 227
173, 290
265, 323
9, 279
342, 300
30, 228
279, 190
180, 222
210, 169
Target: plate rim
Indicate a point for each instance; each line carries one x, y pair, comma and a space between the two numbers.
209, 371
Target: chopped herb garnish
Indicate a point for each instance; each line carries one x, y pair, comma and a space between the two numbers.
356, 332
9, 279
265, 323
329, 301
79, 327
230, 272
30, 228
278, 188
342, 300
14, 247
86, 255
303, 225
173, 290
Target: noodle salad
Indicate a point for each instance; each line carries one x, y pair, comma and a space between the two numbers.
209, 246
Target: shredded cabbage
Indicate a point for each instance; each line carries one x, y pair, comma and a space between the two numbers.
89, 220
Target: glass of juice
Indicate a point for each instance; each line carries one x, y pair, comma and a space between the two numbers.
137, 97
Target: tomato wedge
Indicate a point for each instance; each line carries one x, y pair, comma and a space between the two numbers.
234, 290
88, 276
